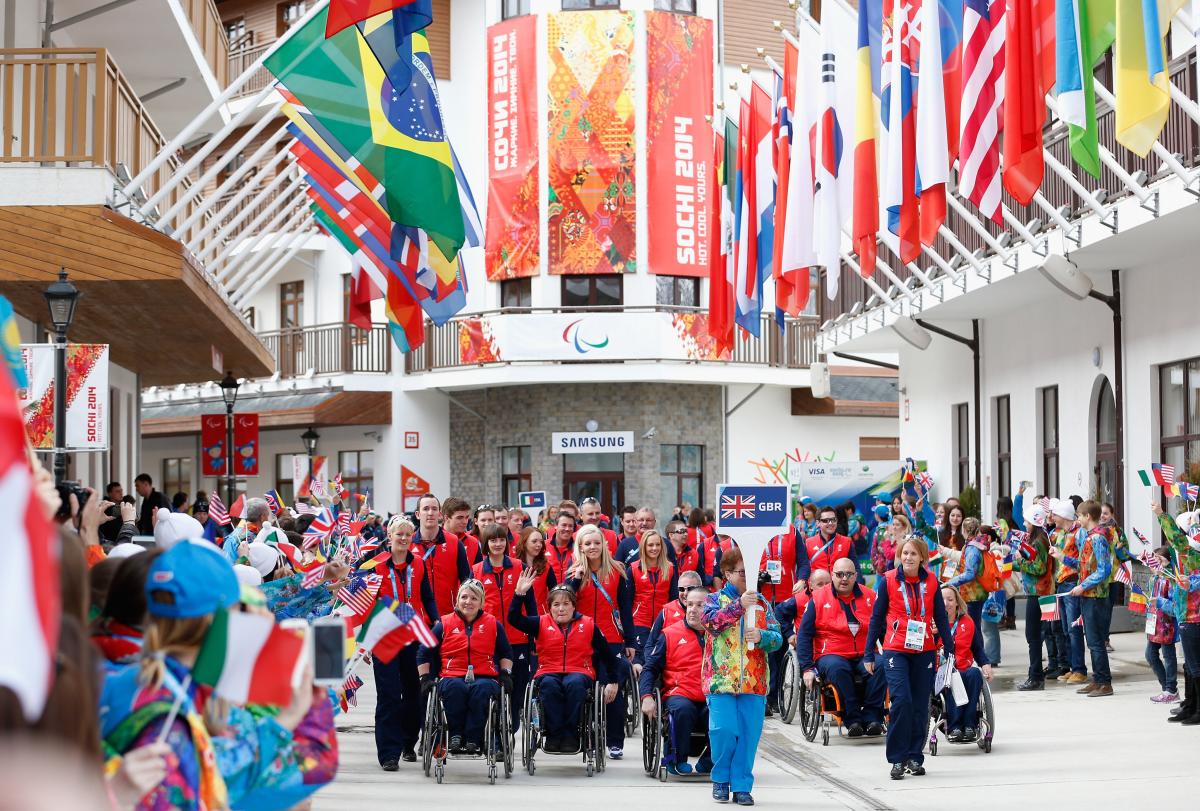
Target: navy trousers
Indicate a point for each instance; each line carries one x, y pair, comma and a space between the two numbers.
910, 682
561, 696
399, 711
862, 694
466, 705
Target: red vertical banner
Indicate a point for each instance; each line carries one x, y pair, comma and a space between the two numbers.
679, 142
245, 444
513, 217
212, 444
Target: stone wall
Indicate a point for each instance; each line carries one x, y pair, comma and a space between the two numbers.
527, 415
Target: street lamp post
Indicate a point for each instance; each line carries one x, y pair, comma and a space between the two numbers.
309, 438
229, 392
61, 297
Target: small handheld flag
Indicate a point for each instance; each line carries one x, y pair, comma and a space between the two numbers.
1137, 599
1124, 574
217, 511
1049, 607
273, 502
1164, 475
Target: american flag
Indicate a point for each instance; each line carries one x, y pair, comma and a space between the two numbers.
359, 595
350, 689
982, 97
1164, 474
1124, 573
217, 511
343, 521
306, 509
317, 487
273, 502
339, 489
409, 618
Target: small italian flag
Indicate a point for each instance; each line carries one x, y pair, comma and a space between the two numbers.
387, 630
248, 659
1049, 606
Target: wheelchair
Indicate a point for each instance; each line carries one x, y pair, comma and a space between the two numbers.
591, 730
985, 720
656, 737
633, 705
791, 687
497, 736
820, 706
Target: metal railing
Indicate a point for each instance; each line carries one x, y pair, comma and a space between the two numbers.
210, 31
74, 107
243, 58
794, 347
329, 349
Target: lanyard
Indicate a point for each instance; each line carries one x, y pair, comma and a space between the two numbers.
825, 548
954, 628
407, 582
904, 593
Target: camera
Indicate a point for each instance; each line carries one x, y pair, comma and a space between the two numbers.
65, 490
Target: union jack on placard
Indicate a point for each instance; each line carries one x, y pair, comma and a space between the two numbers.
737, 507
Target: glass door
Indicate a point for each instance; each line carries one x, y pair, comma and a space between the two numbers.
595, 475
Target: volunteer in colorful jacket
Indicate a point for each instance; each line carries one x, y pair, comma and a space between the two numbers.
827, 545
1183, 536
670, 614
970, 568
498, 573
832, 641
1094, 564
1032, 561
968, 649
472, 662
907, 611
606, 595
1066, 577
655, 584
445, 557
674, 666
572, 655
398, 709
736, 678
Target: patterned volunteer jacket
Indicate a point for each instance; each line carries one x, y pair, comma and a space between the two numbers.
729, 665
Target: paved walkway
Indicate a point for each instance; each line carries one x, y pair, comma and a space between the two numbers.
1053, 748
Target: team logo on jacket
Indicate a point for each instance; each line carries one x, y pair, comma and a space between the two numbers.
458, 630
487, 582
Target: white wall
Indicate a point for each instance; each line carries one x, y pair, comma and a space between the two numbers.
763, 435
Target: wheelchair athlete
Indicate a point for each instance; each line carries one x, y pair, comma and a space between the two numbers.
572, 655
832, 640
474, 661
968, 648
676, 659
671, 613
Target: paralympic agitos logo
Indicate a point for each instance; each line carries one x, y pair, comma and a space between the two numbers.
574, 335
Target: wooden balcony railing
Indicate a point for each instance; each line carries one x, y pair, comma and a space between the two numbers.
73, 107
244, 57
210, 31
330, 349
1181, 136
792, 348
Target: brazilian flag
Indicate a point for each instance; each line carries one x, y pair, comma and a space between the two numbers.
396, 133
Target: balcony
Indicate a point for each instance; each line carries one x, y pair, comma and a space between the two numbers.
327, 349
629, 336
243, 57
210, 33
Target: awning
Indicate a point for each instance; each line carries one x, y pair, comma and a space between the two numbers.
317, 408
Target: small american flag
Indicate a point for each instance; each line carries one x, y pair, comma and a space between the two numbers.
314, 577
1147, 556
343, 521
359, 596
306, 509
1164, 474
318, 487
1044, 503
339, 489
350, 689
1124, 573
216, 509
408, 617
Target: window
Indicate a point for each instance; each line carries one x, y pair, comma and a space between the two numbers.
513, 8
878, 448
677, 291
1049, 437
236, 34
681, 6
962, 445
285, 486
358, 471
681, 473
177, 476
592, 291
1179, 418
288, 14
516, 471
580, 5
1003, 448
231, 168
291, 305
248, 314
516, 293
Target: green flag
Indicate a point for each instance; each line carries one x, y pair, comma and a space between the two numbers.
397, 135
1097, 27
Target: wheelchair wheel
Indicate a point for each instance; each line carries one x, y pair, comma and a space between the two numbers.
598, 735
529, 730
633, 712
506, 734
936, 711
652, 738
790, 685
431, 734
810, 710
987, 719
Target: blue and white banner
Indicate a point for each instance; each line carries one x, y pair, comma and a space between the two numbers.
752, 506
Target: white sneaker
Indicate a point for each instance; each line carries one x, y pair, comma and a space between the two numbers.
1165, 698
615, 753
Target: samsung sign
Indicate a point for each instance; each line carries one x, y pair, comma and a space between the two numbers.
592, 442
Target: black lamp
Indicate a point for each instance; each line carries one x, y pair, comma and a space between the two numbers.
229, 392
61, 297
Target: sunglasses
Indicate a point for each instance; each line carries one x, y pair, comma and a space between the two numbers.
826, 520
844, 575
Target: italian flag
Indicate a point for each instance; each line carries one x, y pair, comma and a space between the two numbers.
248, 659
388, 629
1049, 607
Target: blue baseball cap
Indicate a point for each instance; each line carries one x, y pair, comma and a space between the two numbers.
197, 579
881, 512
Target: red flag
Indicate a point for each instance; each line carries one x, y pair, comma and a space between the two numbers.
239, 506
1024, 100
345, 13
29, 587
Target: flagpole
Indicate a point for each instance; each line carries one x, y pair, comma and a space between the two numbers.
175, 707
228, 93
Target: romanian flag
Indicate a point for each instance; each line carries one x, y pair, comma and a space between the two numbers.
396, 134
866, 172
1143, 96
1137, 599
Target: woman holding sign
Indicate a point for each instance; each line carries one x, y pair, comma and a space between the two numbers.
742, 630
908, 618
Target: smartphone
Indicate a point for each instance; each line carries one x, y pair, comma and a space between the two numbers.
328, 650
